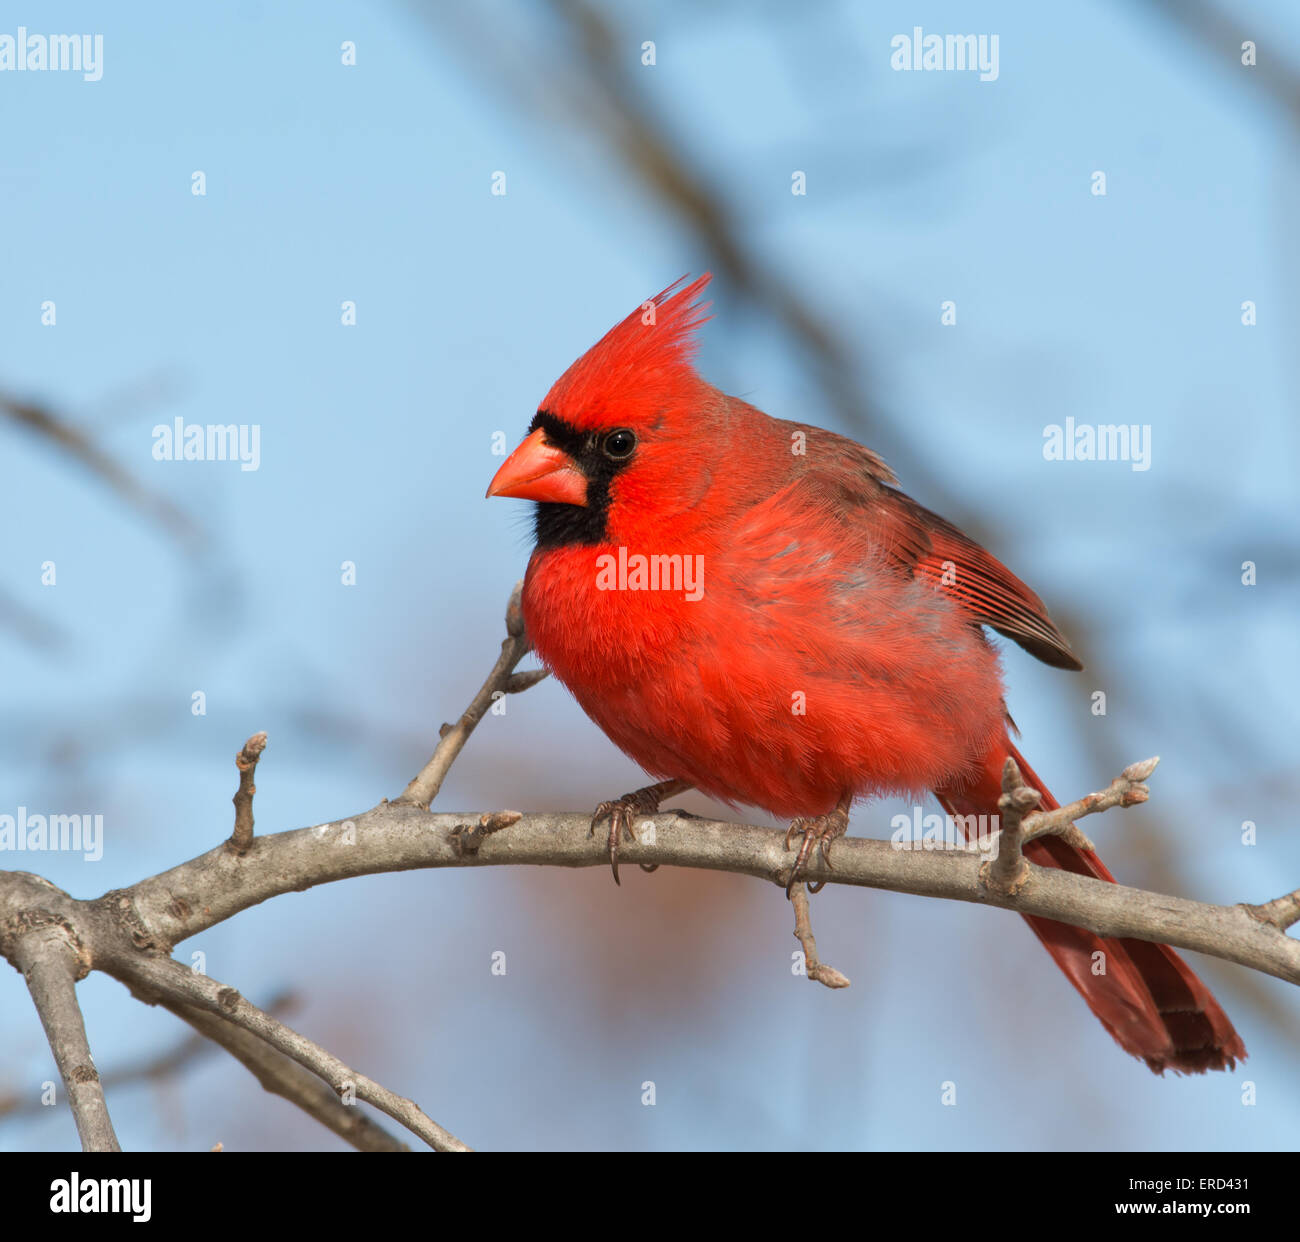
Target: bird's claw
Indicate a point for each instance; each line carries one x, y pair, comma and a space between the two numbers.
620, 813
817, 830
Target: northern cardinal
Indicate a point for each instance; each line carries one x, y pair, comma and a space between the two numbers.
750, 606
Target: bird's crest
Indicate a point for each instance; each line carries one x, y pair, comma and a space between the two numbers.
639, 366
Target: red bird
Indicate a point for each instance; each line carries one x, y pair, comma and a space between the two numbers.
750, 607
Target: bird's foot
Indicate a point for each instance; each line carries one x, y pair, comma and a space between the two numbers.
621, 811
819, 830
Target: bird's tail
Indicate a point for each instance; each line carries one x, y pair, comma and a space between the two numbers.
1145, 994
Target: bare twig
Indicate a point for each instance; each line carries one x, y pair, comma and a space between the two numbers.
1282, 912
246, 762
467, 840
501, 680
816, 968
517, 683
1008, 872
51, 962
1127, 789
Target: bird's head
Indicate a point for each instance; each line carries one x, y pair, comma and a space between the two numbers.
617, 430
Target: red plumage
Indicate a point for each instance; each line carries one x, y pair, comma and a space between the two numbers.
835, 646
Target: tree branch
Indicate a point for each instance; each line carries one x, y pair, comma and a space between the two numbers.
501, 680
246, 762
1127, 789
159, 912
1008, 873
1282, 912
47, 953
817, 970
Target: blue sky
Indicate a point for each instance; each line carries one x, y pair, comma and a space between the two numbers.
371, 183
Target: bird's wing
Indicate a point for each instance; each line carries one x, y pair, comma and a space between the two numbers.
935, 550
924, 545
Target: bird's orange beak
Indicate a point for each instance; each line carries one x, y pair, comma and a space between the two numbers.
540, 471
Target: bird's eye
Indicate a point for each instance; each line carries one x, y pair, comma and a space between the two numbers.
619, 444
